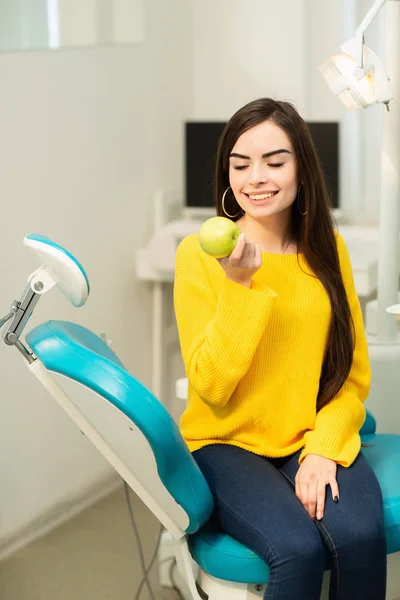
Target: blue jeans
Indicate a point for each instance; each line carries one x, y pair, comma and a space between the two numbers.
255, 503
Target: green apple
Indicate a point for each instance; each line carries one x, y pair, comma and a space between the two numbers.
218, 236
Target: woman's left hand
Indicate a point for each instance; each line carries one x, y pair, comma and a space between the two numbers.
314, 474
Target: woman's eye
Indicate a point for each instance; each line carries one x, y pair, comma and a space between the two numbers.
242, 167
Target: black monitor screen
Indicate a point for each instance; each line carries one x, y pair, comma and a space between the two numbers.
201, 140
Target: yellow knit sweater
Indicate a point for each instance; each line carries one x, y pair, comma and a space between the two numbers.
253, 358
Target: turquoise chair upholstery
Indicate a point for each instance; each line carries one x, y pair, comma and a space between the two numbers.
383, 454
73, 351
369, 426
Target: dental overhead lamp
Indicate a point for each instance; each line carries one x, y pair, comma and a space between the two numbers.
356, 75
359, 79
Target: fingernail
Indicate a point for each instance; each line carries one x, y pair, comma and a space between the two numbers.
336, 499
319, 515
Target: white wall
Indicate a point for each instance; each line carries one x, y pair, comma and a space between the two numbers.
243, 50
323, 36
87, 136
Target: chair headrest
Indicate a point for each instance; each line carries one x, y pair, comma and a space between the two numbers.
62, 267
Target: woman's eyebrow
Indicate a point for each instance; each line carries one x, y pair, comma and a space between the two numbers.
266, 155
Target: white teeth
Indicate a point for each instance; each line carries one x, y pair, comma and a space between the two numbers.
261, 196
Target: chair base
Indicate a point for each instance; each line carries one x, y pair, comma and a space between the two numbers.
211, 588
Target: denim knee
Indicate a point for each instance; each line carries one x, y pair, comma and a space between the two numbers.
359, 540
301, 555
298, 569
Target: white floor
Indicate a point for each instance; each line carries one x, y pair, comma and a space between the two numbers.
92, 556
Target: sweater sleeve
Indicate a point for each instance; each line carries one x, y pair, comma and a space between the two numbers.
218, 332
337, 425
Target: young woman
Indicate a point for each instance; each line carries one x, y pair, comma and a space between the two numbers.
273, 342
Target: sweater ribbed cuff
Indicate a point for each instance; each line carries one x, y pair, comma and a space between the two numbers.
336, 432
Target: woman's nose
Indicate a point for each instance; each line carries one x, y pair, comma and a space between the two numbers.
257, 175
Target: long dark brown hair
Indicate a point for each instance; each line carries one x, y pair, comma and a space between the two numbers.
313, 232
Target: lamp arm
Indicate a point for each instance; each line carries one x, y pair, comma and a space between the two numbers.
365, 23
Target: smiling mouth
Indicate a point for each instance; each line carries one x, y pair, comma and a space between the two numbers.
265, 196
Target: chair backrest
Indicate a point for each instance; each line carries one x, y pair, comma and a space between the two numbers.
126, 422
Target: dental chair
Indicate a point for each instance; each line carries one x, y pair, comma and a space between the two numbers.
138, 437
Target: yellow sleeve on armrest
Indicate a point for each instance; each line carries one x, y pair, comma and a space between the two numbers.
337, 425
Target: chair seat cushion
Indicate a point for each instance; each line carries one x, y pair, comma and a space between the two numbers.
383, 454
220, 555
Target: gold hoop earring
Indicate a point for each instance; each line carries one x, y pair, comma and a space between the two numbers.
303, 214
223, 205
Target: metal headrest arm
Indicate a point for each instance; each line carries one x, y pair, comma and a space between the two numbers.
39, 282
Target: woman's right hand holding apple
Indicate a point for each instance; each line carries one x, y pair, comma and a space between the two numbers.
243, 262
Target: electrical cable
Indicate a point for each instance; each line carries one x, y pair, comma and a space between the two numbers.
146, 570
